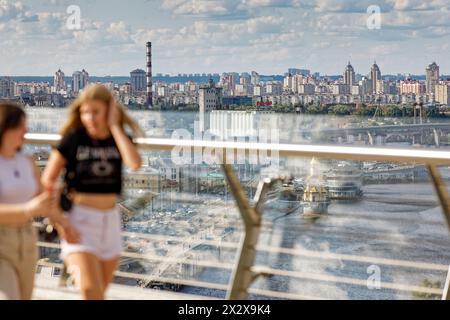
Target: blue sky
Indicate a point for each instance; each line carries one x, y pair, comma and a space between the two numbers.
214, 36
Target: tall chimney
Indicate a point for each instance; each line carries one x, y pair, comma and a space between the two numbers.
149, 76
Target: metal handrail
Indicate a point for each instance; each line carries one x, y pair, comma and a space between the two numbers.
244, 274
431, 157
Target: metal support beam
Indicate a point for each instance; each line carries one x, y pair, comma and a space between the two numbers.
436, 138
444, 199
371, 141
243, 276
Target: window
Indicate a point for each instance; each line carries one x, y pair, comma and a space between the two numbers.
174, 174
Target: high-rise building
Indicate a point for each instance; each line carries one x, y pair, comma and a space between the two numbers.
227, 81
84, 79
366, 86
162, 91
432, 72
243, 90
210, 98
76, 81
349, 75
442, 93
390, 87
230, 124
258, 90
356, 90
412, 86
59, 81
6, 88
274, 88
236, 78
339, 88
287, 82
255, 78
245, 79
138, 80
298, 80
380, 88
79, 80
306, 88
375, 76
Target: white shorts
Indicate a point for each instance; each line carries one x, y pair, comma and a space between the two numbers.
99, 233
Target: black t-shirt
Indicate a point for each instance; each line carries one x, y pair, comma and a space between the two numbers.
93, 166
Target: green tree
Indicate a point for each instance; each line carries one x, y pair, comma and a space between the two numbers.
341, 110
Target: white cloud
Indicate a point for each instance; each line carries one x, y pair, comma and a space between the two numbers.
267, 24
213, 35
202, 7
406, 5
385, 5
223, 8
11, 10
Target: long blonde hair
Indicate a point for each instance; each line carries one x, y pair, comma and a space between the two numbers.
97, 92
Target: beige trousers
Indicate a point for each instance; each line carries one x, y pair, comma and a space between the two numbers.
18, 257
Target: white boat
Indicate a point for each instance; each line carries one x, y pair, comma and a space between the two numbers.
344, 181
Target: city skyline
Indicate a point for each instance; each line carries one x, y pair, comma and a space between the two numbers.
219, 36
69, 74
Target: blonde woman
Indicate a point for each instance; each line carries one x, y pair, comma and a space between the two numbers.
21, 199
92, 151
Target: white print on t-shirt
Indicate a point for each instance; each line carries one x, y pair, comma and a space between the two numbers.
102, 168
93, 153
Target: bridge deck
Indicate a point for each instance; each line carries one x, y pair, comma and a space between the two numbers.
46, 288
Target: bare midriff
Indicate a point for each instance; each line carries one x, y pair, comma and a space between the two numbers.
95, 200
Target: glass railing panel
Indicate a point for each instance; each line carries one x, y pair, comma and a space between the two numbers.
182, 227
354, 230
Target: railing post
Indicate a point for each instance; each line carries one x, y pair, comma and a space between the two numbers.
243, 276
446, 293
444, 200
442, 192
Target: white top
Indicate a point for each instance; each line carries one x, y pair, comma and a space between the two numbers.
17, 180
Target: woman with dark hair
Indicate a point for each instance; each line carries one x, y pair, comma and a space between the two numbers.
21, 199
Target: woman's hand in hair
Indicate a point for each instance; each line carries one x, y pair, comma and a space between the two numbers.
113, 115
